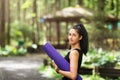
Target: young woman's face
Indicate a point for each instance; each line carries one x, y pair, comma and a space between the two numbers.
73, 37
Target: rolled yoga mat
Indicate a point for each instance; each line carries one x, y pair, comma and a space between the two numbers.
58, 59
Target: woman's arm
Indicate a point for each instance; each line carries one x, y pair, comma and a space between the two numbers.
72, 74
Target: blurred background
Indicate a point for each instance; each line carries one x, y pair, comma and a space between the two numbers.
26, 25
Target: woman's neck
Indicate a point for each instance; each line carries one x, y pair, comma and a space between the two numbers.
75, 46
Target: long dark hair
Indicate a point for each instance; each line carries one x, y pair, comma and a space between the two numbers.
82, 32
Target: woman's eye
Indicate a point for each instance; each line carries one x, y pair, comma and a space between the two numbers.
69, 34
74, 34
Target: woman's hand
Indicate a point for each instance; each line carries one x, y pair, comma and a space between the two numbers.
55, 66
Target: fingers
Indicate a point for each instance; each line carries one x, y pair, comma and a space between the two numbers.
57, 70
52, 60
55, 66
53, 63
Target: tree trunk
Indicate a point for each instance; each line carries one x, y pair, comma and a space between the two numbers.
80, 2
56, 6
2, 29
0, 23
35, 22
24, 14
93, 4
69, 2
117, 8
8, 21
18, 10
101, 5
46, 6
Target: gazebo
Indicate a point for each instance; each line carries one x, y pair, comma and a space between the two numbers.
57, 24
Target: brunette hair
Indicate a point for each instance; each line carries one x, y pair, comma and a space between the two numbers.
82, 32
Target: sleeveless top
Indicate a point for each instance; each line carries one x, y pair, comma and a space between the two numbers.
79, 62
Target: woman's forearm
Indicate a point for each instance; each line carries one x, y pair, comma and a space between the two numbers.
68, 74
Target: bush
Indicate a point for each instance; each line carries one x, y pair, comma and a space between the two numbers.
12, 51
101, 58
48, 72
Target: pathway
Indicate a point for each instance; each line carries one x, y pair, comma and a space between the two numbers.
21, 68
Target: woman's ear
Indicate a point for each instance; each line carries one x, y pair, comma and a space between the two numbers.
80, 38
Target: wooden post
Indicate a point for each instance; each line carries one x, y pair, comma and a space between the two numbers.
95, 70
50, 35
58, 33
114, 25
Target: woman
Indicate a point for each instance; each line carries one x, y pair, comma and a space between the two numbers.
78, 41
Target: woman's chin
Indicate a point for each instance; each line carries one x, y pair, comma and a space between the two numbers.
70, 43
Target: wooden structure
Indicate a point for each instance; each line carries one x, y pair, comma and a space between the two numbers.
58, 24
113, 21
113, 73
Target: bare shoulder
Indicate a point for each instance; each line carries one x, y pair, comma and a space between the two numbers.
74, 55
74, 52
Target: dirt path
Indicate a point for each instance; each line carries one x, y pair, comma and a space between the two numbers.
21, 68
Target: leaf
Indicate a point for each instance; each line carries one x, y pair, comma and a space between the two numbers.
27, 5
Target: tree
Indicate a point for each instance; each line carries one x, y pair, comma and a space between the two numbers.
80, 2
35, 23
8, 21
18, 10
2, 25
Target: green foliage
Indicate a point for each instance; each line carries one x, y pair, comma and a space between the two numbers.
100, 34
49, 72
101, 58
27, 4
119, 78
12, 51
24, 30
108, 60
94, 58
92, 77
21, 31
96, 77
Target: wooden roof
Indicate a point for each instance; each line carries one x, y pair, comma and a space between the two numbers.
74, 14
69, 14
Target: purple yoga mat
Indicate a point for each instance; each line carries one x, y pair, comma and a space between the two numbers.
58, 59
